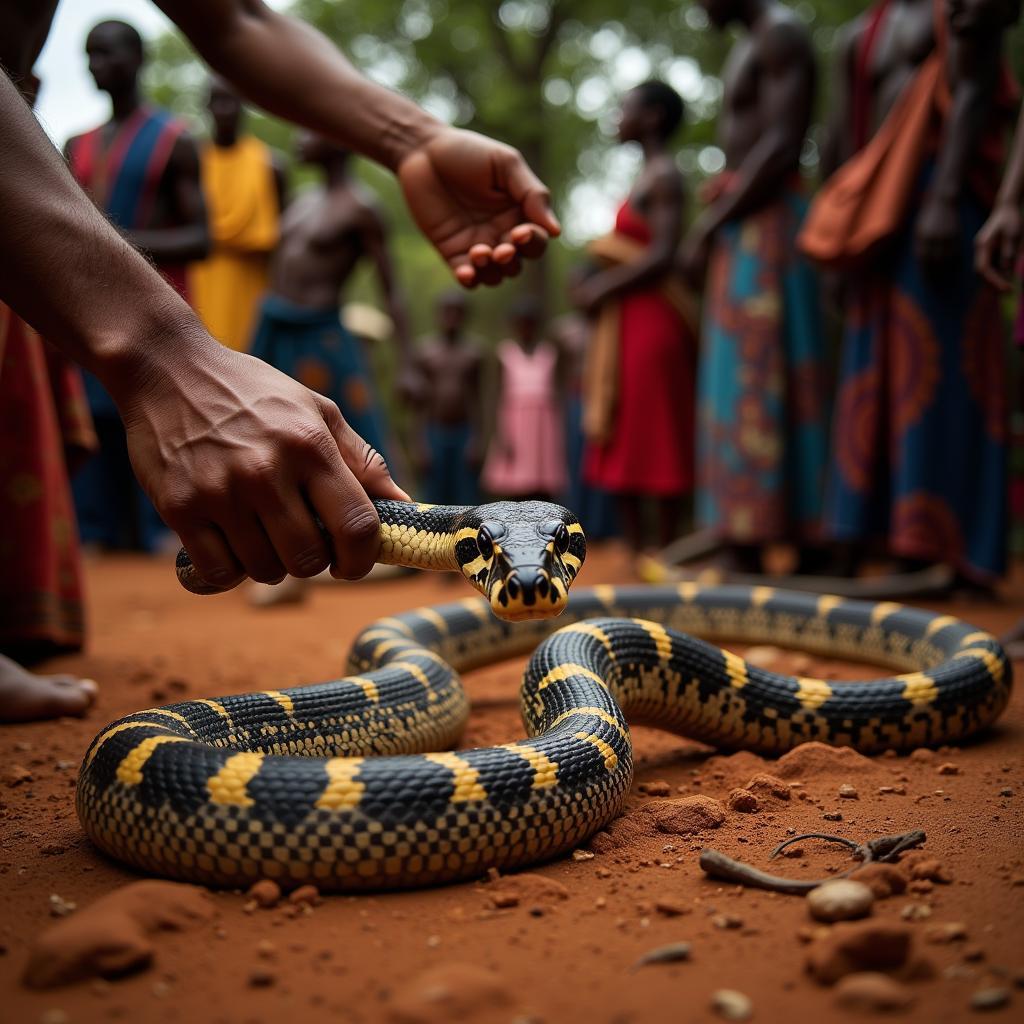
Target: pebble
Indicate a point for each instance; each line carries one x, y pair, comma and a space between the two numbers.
60, 907
305, 895
671, 908
727, 921
764, 786
916, 912
832, 816
848, 792
743, 801
873, 992
504, 900
266, 950
1006, 791
990, 999
883, 880
688, 814
731, 1005
940, 934
582, 855
974, 953
18, 774
657, 787
840, 900
266, 893
673, 953
262, 977
948, 769
931, 870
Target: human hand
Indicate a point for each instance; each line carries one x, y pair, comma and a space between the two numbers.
936, 235
998, 245
588, 296
238, 458
479, 204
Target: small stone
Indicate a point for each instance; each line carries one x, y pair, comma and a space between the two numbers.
833, 816
762, 656
671, 908
873, 992
743, 801
17, 774
948, 769
305, 895
727, 921
582, 855
990, 999
842, 899
266, 949
504, 900
657, 787
675, 952
849, 948
536, 911
930, 870
262, 977
793, 852
973, 953
266, 893
922, 754
687, 815
60, 907
884, 880
1006, 791
731, 1005
916, 912
848, 792
766, 786
952, 931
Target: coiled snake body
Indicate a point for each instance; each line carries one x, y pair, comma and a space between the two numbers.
292, 784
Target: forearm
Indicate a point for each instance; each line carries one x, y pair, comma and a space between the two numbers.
173, 245
291, 70
66, 271
625, 277
1011, 191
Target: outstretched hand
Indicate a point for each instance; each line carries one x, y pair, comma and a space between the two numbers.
479, 204
238, 458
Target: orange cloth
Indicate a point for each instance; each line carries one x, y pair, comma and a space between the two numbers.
867, 200
242, 205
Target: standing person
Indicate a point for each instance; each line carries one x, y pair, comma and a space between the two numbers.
244, 188
919, 434
639, 378
257, 474
526, 458
141, 169
449, 448
761, 403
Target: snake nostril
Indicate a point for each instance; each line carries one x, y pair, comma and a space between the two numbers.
542, 587
512, 586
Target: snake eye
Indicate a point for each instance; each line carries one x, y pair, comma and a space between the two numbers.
561, 539
484, 544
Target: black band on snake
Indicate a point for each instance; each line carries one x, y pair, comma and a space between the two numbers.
351, 784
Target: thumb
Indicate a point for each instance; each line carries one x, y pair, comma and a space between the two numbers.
365, 462
532, 195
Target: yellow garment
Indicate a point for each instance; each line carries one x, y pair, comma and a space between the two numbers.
601, 362
241, 201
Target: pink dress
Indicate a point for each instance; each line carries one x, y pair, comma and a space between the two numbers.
527, 453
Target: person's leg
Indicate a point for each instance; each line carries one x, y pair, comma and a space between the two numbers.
632, 521
669, 511
26, 697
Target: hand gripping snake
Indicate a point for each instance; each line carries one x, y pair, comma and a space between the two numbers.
353, 784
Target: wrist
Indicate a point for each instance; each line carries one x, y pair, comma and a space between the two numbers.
406, 131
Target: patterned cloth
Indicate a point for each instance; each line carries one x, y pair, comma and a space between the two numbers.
121, 171
527, 453
451, 480
762, 432
44, 422
920, 427
313, 347
241, 199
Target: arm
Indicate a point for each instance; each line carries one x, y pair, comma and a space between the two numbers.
475, 199
229, 449
975, 63
375, 245
999, 242
189, 240
664, 214
786, 94
836, 147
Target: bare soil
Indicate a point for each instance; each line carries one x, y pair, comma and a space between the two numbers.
557, 945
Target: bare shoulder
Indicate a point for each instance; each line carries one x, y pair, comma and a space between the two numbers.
785, 38
662, 174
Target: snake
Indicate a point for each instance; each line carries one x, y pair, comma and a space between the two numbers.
358, 784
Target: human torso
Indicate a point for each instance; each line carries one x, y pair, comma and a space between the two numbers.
526, 374
241, 196
904, 39
321, 242
743, 122
451, 371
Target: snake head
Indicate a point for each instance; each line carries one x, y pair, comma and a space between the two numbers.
522, 556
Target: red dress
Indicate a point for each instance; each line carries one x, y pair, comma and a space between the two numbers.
651, 450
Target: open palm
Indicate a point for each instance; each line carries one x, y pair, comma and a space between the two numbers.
479, 204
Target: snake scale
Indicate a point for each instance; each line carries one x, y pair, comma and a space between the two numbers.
353, 784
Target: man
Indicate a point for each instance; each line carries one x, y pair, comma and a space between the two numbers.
141, 169
761, 410
236, 456
244, 188
449, 446
638, 382
919, 435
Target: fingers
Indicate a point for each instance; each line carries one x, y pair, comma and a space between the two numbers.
527, 190
365, 463
529, 240
253, 548
211, 556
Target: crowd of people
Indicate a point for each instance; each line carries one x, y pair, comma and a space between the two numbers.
694, 363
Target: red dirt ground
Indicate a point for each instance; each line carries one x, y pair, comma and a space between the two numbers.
567, 951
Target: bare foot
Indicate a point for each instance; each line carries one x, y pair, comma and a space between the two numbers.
25, 697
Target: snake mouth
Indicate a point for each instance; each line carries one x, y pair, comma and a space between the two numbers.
527, 592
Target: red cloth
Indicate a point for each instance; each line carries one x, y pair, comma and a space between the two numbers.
40, 567
652, 446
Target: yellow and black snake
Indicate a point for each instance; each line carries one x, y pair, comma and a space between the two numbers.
331, 783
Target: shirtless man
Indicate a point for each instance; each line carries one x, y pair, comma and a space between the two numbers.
449, 448
142, 170
761, 408
919, 460
236, 456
